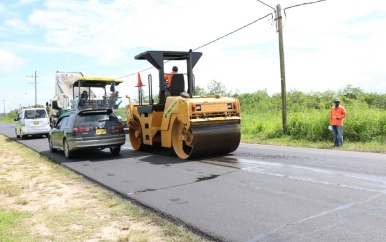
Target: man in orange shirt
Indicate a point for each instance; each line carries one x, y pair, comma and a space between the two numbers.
168, 80
337, 114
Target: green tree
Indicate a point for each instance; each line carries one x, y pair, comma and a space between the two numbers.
351, 92
258, 102
12, 114
217, 88
199, 91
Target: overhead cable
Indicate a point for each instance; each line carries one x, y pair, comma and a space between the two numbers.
211, 42
301, 4
233, 31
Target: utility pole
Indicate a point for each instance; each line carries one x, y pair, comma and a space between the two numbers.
279, 29
36, 96
282, 69
279, 26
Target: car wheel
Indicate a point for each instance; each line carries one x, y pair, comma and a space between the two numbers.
52, 149
17, 136
22, 136
66, 148
115, 151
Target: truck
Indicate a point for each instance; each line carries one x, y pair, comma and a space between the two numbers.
192, 125
73, 90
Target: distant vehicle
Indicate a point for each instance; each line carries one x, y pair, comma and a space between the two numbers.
32, 122
87, 129
75, 91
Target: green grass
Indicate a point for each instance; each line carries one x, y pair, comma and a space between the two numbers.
363, 130
9, 221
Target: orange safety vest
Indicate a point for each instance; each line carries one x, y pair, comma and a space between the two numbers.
337, 115
168, 79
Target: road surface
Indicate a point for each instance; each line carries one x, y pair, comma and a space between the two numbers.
258, 193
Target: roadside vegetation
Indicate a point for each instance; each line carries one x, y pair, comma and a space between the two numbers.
43, 201
308, 119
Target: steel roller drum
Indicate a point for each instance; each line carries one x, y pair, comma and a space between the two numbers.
214, 139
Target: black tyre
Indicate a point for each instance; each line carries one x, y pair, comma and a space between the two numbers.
115, 151
50, 145
67, 152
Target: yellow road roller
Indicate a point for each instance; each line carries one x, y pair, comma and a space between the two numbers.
193, 125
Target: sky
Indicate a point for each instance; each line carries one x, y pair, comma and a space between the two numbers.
327, 45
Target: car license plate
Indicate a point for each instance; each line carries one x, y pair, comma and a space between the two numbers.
100, 131
36, 122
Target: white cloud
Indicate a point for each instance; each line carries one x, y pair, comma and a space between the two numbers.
17, 25
26, 2
9, 61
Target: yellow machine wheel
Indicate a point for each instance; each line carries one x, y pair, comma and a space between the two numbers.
182, 140
135, 134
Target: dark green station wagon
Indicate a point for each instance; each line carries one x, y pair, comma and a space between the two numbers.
87, 129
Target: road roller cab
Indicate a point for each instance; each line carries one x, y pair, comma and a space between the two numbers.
191, 125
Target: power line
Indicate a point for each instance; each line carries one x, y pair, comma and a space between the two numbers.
95, 26
301, 4
211, 42
86, 48
232, 32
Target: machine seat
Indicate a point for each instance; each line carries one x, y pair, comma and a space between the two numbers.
177, 84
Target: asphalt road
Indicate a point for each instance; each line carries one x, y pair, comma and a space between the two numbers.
258, 193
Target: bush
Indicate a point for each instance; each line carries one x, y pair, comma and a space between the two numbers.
308, 115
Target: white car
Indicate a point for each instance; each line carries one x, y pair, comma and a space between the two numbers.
32, 122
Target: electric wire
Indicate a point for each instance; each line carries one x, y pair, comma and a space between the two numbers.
113, 35
301, 4
211, 42
109, 15
233, 31
202, 46
136, 23
87, 48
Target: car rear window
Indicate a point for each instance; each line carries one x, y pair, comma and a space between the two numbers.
96, 118
36, 113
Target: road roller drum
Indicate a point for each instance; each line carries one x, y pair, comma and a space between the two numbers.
207, 140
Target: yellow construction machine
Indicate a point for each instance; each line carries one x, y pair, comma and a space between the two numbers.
192, 125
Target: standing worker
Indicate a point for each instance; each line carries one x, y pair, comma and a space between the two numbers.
337, 114
168, 80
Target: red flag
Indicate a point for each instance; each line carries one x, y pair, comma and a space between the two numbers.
139, 83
